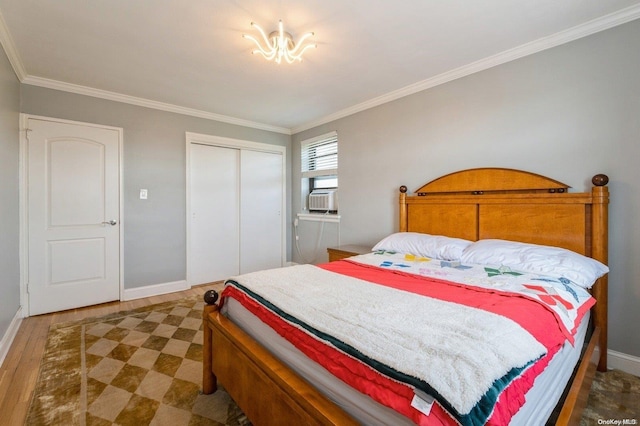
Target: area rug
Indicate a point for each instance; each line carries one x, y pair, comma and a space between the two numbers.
139, 367
614, 400
144, 367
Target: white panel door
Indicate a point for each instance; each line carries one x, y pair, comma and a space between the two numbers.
261, 240
214, 205
73, 215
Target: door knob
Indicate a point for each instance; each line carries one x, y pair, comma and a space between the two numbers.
111, 222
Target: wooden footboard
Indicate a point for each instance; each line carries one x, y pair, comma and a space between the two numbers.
268, 392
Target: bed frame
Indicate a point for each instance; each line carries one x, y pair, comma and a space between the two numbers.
472, 204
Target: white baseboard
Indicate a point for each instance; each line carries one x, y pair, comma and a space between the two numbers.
623, 362
154, 290
9, 335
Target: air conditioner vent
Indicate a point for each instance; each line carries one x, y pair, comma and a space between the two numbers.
323, 200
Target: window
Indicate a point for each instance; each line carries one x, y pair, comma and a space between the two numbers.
325, 182
319, 164
320, 156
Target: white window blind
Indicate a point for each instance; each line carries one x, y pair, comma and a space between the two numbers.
320, 156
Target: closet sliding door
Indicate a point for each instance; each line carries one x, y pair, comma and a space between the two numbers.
260, 211
235, 207
214, 252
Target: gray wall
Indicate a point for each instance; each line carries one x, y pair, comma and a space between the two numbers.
568, 113
314, 238
154, 158
9, 201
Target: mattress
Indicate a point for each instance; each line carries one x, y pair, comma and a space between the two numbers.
540, 400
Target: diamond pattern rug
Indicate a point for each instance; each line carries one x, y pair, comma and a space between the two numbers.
139, 367
144, 367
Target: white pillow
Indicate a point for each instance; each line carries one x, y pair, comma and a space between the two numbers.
538, 259
434, 246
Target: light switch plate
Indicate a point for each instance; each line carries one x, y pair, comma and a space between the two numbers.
143, 194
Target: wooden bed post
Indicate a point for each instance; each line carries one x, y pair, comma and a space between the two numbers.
600, 247
403, 208
209, 382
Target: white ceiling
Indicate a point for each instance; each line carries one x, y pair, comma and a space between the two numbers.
189, 55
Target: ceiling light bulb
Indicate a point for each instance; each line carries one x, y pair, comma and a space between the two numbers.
279, 44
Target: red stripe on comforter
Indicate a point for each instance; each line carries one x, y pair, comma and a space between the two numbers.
524, 312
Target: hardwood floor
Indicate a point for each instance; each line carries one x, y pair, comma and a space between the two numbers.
19, 371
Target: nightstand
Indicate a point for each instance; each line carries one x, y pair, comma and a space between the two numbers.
341, 252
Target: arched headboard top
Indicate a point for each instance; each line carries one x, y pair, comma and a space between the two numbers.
491, 179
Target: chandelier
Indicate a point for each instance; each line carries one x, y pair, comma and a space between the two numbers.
279, 45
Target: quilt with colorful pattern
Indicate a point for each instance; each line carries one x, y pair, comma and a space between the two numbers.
567, 301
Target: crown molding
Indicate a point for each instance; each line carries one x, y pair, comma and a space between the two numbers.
14, 58
591, 27
10, 49
147, 103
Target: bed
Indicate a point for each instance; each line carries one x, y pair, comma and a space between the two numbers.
477, 206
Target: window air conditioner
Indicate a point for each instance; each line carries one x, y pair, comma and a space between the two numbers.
323, 200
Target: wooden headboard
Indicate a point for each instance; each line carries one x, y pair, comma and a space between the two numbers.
519, 206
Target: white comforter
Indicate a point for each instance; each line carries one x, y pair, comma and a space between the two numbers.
480, 346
